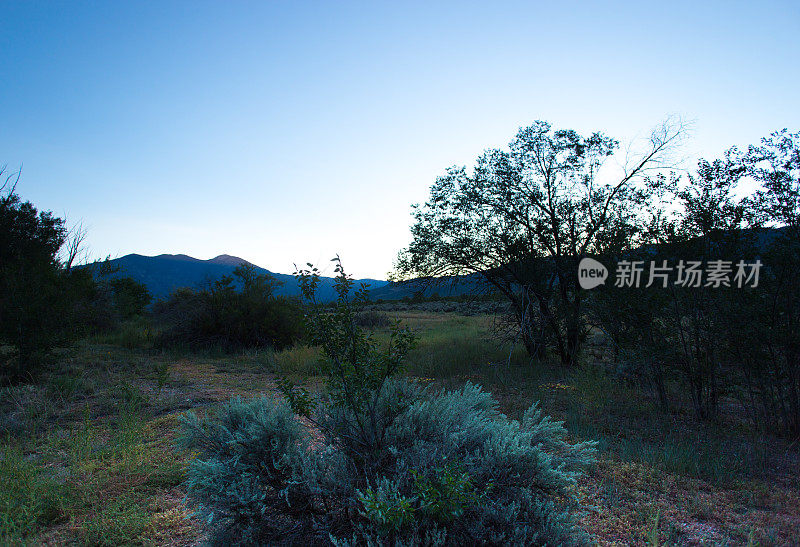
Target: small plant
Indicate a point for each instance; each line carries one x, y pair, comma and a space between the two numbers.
386, 507
130, 396
354, 364
446, 494
161, 370
652, 534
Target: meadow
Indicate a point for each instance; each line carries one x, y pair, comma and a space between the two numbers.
89, 454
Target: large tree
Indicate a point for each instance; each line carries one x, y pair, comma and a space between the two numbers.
522, 219
30, 280
43, 303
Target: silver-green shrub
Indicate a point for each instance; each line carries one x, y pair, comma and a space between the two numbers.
451, 469
381, 461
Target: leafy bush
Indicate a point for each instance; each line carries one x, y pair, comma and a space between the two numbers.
228, 317
376, 460
130, 297
450, 470
246, 463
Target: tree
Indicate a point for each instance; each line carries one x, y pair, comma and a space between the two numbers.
677, 326
773, 377
39, 299
130, 297
728, 340
524, 217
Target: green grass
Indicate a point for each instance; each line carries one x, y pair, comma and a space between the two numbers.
301, 360
90, 446
136, 333
593, 403
710, 460
629, 426
84, 447
121, 521
30, 497
450, 345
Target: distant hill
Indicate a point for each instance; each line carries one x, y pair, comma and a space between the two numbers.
164, 273
428, 287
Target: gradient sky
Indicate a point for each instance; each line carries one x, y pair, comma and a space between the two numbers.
288, 132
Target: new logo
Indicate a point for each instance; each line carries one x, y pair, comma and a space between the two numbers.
591, 273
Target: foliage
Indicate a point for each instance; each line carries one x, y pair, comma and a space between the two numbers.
43, 302
130, 297
247, 460
382, 460
420, 485
355, 364
523, 218
228, 317
721, 341
771, 351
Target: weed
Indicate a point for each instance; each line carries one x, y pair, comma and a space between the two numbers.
123, 521
161, 370
29, 498
652, 534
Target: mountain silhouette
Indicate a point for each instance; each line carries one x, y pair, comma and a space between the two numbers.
164, 273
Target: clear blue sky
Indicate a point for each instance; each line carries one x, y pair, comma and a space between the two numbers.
287, 132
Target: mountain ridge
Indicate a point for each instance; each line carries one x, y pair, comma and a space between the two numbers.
164, 273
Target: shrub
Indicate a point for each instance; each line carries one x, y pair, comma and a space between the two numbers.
224, 316
376, 460
130, 297
450, 470
246, 462
372, 319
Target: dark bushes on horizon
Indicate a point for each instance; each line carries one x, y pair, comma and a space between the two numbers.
372, 319
228, 317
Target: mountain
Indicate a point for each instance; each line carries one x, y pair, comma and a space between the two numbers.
229, 260
441, 286
164, 273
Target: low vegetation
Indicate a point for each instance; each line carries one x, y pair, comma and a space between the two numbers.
230, 314
536, 414
381, 460
103, 425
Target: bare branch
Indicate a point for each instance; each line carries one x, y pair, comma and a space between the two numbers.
76, 250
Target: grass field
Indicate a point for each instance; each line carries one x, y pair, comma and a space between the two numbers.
89, 457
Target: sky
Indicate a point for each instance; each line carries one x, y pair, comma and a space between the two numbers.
287, 132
